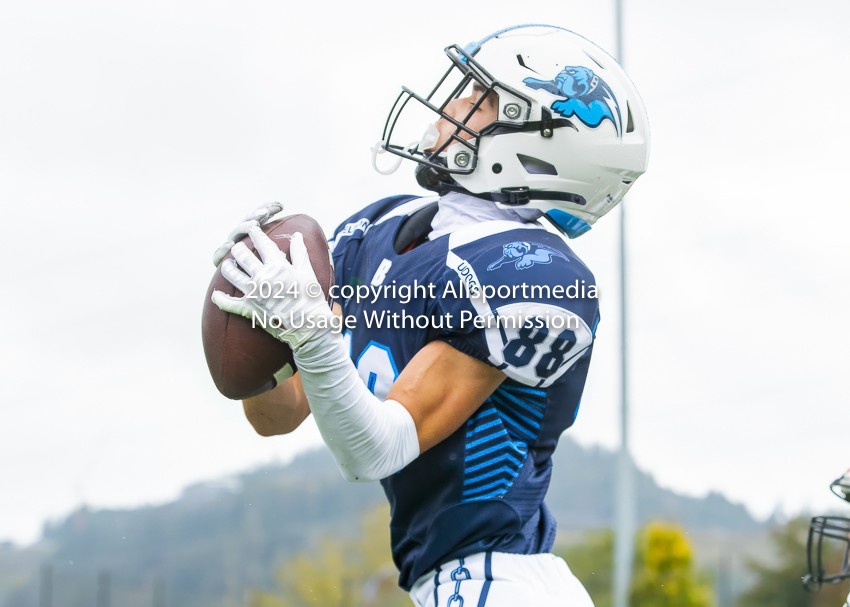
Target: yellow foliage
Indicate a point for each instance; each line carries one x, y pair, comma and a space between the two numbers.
342, 572
666, 548
664, 572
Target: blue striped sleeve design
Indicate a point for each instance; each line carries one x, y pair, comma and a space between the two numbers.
492, 458
497, 439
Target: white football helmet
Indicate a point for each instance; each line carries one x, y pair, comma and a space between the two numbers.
571, 135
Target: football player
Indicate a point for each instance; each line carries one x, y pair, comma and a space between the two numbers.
459, 375
836, 531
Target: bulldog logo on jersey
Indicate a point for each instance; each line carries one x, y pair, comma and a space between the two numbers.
525, 254
587, 96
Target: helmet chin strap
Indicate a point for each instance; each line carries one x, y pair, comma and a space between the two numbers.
435, 180
442, 183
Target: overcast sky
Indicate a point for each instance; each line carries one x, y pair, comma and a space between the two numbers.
133, 136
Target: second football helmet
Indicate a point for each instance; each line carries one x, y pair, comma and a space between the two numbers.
828, 545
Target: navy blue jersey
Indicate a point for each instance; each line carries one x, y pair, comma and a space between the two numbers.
483, 487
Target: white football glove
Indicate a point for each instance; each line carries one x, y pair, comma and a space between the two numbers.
369, 438
284, 296
258, 217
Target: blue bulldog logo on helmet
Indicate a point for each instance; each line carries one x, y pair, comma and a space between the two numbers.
588, 97
525, 254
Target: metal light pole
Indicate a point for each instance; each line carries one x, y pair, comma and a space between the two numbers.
625, 491
45, 594
104, 583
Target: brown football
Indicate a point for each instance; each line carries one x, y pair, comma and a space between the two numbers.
243, 359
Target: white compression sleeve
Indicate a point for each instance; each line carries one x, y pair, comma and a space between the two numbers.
370, 439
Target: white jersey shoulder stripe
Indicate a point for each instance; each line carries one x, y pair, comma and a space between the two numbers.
488, 228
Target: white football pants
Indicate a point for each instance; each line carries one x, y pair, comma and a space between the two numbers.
498, 579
